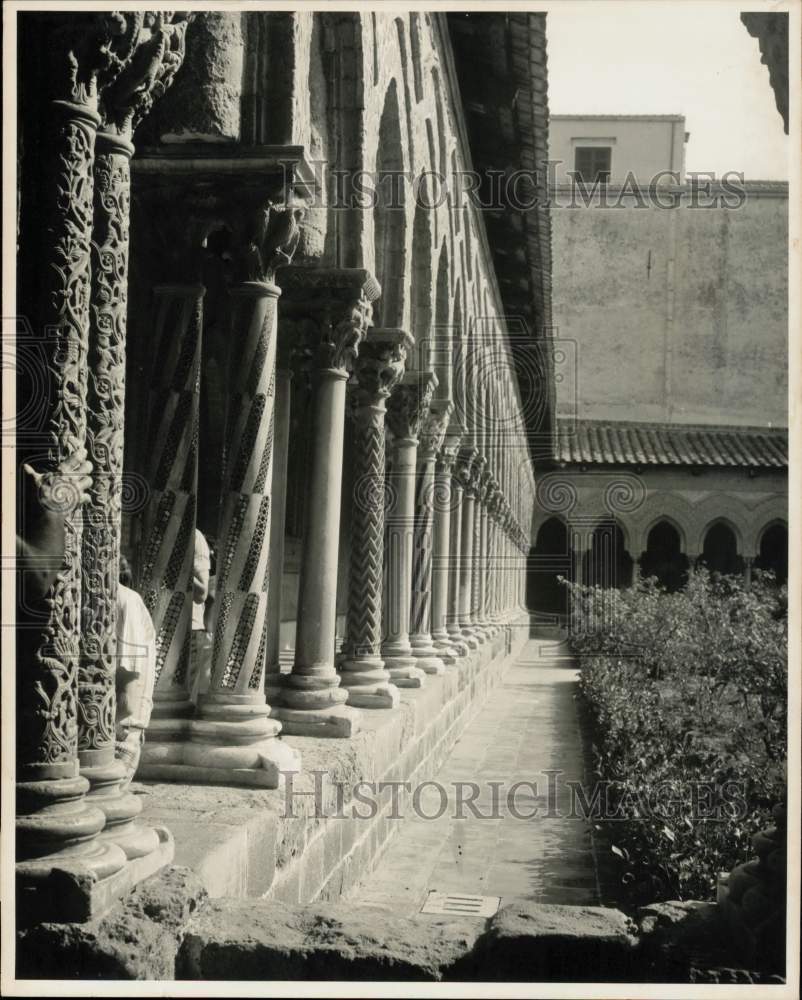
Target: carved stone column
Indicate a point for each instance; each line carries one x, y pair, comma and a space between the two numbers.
281, 442
123, 104
168, 527
491, 558
379, 370
482, 556
334, 306
234, 737
441, 567
252, 196
468, 475
453, 616
65, 683
407, 410
431, 441
477, 559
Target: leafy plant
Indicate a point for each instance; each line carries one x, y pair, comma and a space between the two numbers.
687, 693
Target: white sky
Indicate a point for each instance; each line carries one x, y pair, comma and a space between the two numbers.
687, 57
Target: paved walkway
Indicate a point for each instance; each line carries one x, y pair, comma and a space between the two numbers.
528, 726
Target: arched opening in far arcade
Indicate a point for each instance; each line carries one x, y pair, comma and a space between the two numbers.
546, 598
664, 558
773, 551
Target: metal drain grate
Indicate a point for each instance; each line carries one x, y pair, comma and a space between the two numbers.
455, 902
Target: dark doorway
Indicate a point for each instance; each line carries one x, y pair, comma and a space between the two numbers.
720, 552
663, 557
608, 564
774, 552
549, 559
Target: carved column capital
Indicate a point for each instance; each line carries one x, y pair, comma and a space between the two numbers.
332, 309
380, 366
447, 458
435, 425
157, 53
87, 51
465, 460
410, 403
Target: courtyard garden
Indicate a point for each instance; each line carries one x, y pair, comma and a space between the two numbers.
687, 698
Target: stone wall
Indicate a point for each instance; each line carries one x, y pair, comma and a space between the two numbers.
675, 314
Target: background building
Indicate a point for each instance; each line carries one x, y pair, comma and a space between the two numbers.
671, 311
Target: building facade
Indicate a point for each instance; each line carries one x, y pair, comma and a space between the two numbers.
671, 311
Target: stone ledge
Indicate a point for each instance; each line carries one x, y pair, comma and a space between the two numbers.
136, 939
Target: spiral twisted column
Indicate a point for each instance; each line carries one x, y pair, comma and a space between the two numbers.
334, 306
234, 739
168, 527
379, 370
433, 431
282, 412
407, 410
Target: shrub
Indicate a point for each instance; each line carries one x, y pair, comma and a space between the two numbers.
688, 699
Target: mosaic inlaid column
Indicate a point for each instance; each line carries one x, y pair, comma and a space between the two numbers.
408, 408
432, 435
234, 738
337, 307
468, 474
441, 566
282, 412
379, 370
168, 527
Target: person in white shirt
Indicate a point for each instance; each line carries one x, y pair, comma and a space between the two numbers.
136, 673
201, 648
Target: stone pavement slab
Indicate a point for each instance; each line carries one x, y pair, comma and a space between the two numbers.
512, 835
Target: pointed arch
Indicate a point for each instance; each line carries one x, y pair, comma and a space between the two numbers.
389, 215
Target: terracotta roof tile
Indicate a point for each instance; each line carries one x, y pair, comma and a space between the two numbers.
617, 443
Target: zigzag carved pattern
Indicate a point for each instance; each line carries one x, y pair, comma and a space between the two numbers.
367, 544
422, 556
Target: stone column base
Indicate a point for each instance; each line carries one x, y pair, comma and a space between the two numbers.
337, 721
61, 890
426, 656
368, 683
405, 671
234, 742
470, 638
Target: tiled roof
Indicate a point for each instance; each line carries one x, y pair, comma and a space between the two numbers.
612, 443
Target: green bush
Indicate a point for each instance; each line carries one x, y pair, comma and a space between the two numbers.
687, 693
